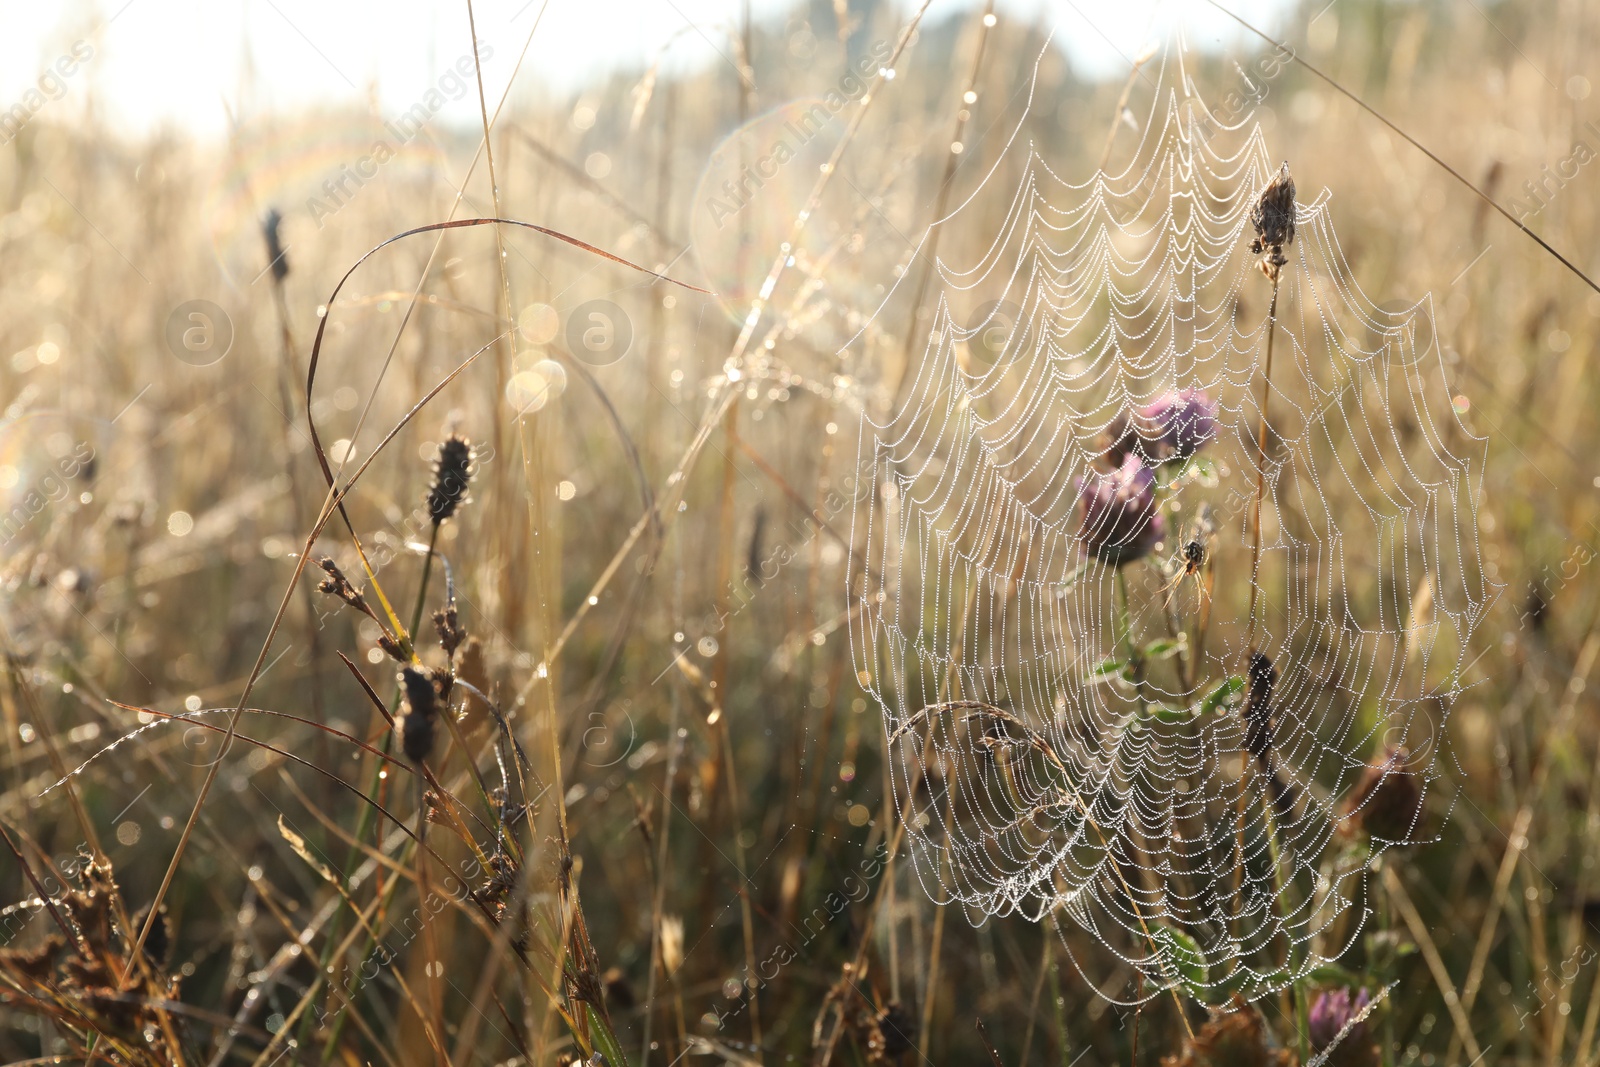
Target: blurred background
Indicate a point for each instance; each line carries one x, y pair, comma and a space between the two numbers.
703, 771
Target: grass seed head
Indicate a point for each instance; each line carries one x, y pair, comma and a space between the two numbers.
1273, 219
276, 256
452, 474
337, 585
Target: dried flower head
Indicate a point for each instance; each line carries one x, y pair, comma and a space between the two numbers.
1387, 802
337, 585
1235, 1037
1120, 522
418, 721
447, 623
1273, 215
1182, 422
1330, 1012
452, 473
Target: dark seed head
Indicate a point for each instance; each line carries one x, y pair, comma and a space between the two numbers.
275, 253
452, 473
1260, 676
1273, 215
32, 964
421, 714
158, 943
337, 585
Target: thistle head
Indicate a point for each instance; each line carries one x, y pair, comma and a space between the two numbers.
1182, 422
1330, 1012
1121, 522
452, 474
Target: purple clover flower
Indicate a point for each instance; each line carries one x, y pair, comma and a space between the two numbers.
1121, 522
1330, 1011
1182, 422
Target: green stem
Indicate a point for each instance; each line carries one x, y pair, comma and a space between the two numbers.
422, 590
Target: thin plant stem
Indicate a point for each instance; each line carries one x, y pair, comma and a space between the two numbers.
1261, 469
1033, 1004
432, 968
1430, 954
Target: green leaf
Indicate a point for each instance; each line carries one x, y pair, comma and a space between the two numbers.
1165, 648
1222, 695
1184, 952
1106, 671
1169, 714
605, 1042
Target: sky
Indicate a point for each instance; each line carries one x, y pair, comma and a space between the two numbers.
189, 64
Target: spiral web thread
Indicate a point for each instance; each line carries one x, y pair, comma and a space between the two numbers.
1034, 771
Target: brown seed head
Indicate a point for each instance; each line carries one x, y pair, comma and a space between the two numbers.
452, 473
1273, 216
337, 585
451, 633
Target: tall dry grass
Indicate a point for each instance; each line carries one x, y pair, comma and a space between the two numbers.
687, 780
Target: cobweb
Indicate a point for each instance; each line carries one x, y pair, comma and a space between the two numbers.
1039, 764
